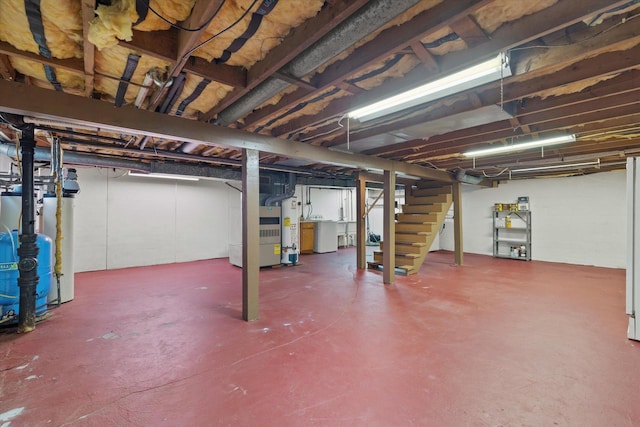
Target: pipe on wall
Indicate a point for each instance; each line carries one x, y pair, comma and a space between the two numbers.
44, 155
28, 249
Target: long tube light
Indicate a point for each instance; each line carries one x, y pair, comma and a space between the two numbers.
485, 72
523, 146
595, 163
163, 176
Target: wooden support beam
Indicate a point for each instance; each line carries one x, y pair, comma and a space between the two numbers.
374, 51
163, 45
528, 28
361, 224
250, 234
75, 65
6, 69
202, 11
389, 228
423, 55
88, 13
33, 101
469, 31
298, 40
457, 223
294, 81
351, 88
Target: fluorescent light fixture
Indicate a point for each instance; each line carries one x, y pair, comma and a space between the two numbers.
468, 78
553, 167
522, 146
164, 176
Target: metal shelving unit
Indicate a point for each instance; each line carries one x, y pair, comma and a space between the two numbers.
512, 234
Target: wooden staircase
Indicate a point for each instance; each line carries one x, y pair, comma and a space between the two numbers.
417, 226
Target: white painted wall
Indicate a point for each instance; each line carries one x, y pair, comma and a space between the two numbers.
329, 204
576, 220
124, 221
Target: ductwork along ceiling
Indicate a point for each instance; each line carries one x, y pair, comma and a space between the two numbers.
293, 70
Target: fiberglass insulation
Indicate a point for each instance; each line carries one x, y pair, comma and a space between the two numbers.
273, 28
115, 22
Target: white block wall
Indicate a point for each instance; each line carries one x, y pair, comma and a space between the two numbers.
576, 220
124, 221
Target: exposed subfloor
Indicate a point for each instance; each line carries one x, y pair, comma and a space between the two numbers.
493, 343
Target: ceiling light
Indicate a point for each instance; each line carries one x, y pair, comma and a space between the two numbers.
552, 167
163, 176
522, 146
468, 78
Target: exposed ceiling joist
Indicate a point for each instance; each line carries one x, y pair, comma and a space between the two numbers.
88, 13
529, 28
164, 46
295, 43
72, 64
469, 31
202, 11
381, 47
28, 100
6, 69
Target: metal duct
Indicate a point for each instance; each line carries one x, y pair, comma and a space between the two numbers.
44, 155
291, 190
368, 18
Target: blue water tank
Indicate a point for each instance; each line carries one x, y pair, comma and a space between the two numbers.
9, 290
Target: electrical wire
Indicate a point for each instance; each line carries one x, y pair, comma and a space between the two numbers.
496, 175
179, 27
233, 24
199, 45
611, 27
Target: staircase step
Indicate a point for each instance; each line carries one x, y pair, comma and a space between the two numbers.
405, 269
425, 209
409, 249
416, 247
421, 192
418, 218
401, 261
402, 227
412, 238
427, 200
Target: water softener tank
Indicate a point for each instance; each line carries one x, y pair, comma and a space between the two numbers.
9, 290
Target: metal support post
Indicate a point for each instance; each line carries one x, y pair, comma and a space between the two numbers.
457, 222
389, 227
361, 226
28, 250
250, 234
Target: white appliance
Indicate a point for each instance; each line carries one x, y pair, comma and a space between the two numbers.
269, 239
633, 247
290, 231
326, 237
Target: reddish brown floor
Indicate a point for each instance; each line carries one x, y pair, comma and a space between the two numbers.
492, 343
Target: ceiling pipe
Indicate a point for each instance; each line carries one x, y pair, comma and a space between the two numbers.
71, 157
367, 19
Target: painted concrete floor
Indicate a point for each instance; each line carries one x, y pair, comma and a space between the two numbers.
492, 343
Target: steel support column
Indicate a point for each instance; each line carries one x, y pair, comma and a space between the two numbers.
361, 226
457, 222
28, 250
250, 234
389, 227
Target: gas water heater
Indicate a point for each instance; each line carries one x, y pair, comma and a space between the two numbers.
290, 231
